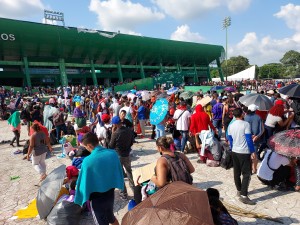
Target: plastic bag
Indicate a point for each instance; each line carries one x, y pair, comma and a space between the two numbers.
64, 213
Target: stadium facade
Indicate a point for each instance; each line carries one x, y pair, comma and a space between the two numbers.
33, 54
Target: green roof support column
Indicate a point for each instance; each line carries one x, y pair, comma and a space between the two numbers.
196, 79
27, 74
220, 70
63, 74
161, 69
95, 81
120, 72
208, 73
56, 81
178, 68
142, 72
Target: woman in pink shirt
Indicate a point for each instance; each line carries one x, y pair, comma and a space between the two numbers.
15, 125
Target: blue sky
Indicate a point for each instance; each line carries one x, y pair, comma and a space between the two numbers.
261, 30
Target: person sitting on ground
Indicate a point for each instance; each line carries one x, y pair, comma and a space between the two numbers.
219, 212
274, 169
171, 166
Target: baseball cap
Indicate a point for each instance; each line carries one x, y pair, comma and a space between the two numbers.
253, 107
225, 97
271, 92
115, 120
105, 118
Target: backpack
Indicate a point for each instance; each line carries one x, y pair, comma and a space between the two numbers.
58, 119
108, 136
230, 110
226, 160
178, 169
26, 147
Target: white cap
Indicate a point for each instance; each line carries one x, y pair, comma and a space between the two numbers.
253, 107
271, 92
225, 97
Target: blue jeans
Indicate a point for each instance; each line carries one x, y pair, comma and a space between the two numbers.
60, 128
160, 131
218, 125
184, 139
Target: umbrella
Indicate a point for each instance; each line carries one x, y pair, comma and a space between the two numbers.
217, 88
131, 96
133, 91
229, 89
176, 203
292, 90
107, 90
145, 95
286, 143
49, 191
172, 90
162, 95
159, 111
204, 101
186, 95
262, 101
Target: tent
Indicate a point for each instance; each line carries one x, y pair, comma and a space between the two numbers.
243, 75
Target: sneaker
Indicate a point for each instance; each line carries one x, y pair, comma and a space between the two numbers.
246, 200
238, 193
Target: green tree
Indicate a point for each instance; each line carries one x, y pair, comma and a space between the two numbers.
291, 61
214, 72
272, 71
235, 65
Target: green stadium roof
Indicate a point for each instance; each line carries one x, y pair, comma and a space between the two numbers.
41, 42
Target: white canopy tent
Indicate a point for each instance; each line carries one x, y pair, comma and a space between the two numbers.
243, 75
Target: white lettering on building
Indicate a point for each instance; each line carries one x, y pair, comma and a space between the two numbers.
7, 37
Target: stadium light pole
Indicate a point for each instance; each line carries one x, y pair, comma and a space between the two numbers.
226, 24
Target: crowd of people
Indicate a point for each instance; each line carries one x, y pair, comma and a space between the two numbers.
100, 122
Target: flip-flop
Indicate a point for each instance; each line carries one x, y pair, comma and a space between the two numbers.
18, 152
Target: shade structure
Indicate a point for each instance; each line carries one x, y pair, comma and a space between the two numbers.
286, 143
172, 90
186, 95
262, 101
177, 203
49, 191
292, 90
159, 111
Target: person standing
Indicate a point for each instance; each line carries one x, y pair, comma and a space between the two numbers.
182, 117
257, 130
141, 115
121, 140
101, 172
242, 147
15, 122
38, 146
217, 112
59, 121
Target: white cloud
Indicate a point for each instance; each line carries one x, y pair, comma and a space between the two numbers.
183, 33
290, 13
123, 16
18, 9
191, 9
267, 49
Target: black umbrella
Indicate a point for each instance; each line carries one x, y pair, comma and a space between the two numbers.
292, 90
262, 101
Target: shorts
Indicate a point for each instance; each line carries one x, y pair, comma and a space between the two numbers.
102, 207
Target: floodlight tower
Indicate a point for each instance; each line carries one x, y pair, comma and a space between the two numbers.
226, 24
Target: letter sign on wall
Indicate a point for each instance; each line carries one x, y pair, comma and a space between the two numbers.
7, 37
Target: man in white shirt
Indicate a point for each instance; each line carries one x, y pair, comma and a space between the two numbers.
182, 117
102, 131
273, 169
